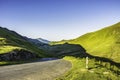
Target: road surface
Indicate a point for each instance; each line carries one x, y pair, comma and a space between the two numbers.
45, 70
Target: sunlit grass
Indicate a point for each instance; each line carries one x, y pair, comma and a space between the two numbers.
2, 41
95, 71
6, 49
102, 43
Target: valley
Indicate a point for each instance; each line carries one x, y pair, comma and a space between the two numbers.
61, 60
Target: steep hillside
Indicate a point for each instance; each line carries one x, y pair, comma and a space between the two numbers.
103, 43
11, 41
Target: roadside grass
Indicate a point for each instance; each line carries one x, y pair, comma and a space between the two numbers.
3, 63
95, 71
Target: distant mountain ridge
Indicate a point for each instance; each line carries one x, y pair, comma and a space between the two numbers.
104, 42
36, 41
42, 44
43, 40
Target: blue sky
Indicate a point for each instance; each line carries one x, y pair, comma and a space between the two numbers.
58, 19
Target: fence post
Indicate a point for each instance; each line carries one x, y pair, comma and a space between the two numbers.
87, 62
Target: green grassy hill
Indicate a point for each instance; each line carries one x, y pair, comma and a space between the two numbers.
96, 70
102, 43
10, 41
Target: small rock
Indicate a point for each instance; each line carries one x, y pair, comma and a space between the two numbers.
105, 72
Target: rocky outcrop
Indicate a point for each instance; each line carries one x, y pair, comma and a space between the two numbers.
17, 55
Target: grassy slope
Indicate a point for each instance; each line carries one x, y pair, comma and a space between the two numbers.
104, 43
10, 40
96, 71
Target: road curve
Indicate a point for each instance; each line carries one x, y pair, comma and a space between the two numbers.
47, 70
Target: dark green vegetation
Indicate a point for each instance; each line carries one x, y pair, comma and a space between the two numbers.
10, 41
102, 43
66, 49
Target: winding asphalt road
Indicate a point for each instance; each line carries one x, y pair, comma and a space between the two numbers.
45, 70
